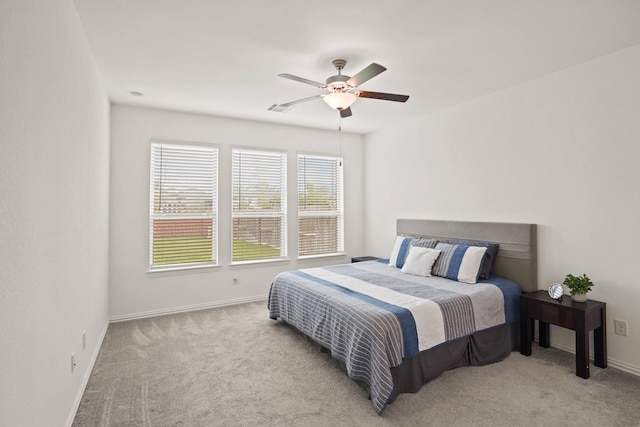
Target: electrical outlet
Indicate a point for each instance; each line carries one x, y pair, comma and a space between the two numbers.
621, 327
73, 361
84, 340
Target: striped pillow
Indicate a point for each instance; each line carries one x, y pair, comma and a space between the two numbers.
459, 262
400, 251
489, 256
424, 243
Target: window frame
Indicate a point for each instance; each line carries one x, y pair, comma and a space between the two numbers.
214, 215
283, 214
338, 213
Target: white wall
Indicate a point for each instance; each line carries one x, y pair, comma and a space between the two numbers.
133, 291
54, 166
562, 151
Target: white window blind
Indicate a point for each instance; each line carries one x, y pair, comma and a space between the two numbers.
259, 206
320, 206
183, 205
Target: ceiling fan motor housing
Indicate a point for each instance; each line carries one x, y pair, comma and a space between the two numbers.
338, 83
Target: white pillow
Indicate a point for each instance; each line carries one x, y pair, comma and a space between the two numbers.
420, 260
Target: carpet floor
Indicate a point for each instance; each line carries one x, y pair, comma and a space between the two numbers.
233, 366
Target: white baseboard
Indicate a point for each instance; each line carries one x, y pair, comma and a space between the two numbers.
186, 308
87, 374
634, 370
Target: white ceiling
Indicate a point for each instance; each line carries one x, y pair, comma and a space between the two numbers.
223, 57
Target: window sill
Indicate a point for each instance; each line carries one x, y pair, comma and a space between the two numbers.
257, 262
312, 258
177, 271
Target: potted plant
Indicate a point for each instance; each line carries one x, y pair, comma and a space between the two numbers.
578, 286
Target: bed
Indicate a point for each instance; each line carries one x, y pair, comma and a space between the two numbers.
394, 331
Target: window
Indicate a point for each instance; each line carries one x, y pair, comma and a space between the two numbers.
320, 206
259, 205
183, 205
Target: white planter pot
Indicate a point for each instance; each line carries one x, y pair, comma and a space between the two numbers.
579, 297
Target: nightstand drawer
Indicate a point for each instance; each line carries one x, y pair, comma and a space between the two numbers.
363, 258
550, 314
555, 316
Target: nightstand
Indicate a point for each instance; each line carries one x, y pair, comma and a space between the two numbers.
580, 317
363, 258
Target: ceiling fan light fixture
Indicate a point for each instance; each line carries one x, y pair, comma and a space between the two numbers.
340, 100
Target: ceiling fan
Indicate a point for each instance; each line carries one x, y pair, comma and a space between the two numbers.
342, 90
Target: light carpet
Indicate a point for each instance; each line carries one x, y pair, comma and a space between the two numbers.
233, 366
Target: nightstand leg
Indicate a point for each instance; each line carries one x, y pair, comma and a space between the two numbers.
543, 334
526, 325
600, 342
582, 345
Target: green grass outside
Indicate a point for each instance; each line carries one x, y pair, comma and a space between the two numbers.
243, 250
164, 250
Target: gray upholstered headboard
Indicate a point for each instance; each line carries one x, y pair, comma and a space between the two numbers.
517, 258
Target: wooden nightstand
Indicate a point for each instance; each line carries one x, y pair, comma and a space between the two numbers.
581, 317
363, 258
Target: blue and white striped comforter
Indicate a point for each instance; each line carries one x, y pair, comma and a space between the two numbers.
371, 316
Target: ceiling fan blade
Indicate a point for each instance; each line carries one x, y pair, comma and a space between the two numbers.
385, 96
299, 101
301, 80
345, 112
281, 108
366, 74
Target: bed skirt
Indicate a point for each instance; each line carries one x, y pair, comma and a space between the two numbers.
481, 348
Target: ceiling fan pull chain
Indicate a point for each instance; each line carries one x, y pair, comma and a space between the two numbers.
340, 137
